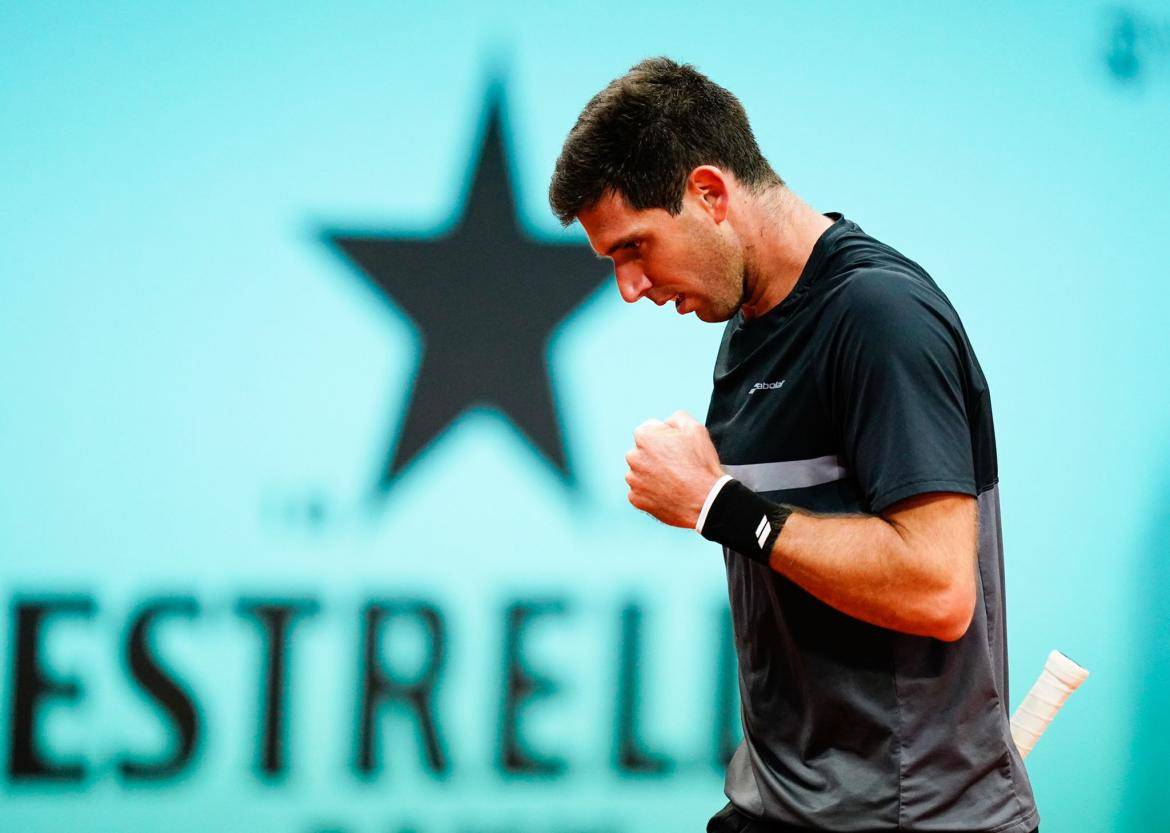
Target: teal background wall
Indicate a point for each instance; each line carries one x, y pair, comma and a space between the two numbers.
197, 393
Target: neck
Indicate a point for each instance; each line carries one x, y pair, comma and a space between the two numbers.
781, 232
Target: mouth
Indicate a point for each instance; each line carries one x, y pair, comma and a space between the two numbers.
679, 300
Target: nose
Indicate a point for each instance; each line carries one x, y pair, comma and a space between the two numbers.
632, 283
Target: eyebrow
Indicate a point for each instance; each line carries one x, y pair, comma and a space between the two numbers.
625, 241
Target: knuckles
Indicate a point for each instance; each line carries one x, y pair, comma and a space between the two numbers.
648, 430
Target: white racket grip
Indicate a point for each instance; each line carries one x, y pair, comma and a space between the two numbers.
1060, 678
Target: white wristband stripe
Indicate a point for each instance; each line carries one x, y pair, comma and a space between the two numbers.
711, 495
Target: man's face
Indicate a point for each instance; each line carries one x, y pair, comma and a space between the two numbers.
685, 258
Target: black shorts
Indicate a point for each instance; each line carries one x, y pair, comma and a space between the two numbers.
731, 820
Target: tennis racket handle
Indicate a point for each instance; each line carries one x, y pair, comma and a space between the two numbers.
1060, 678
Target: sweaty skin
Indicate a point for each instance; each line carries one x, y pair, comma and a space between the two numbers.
913, 567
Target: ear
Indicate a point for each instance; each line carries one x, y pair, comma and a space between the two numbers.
710, 186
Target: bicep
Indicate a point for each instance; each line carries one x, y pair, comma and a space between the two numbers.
940, 532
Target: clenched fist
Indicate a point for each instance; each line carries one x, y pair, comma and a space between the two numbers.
673, 466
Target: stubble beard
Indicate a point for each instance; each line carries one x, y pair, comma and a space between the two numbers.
728, 283
732, 290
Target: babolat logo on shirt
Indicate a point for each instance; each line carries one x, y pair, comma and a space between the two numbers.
766, 386
899, 411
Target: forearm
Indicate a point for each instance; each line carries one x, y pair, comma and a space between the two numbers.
867, 567
911, 569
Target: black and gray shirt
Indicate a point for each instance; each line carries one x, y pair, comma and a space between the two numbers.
858, 390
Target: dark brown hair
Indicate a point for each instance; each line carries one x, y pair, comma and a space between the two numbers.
643, 135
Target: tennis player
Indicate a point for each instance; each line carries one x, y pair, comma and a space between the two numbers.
847, 467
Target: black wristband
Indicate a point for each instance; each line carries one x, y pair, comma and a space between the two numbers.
741, 520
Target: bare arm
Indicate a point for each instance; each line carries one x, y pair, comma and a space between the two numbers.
911, 569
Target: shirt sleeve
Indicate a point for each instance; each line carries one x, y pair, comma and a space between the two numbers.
895, 388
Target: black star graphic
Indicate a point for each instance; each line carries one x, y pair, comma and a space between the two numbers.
485, 299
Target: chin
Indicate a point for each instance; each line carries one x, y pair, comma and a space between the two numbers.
712, 316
